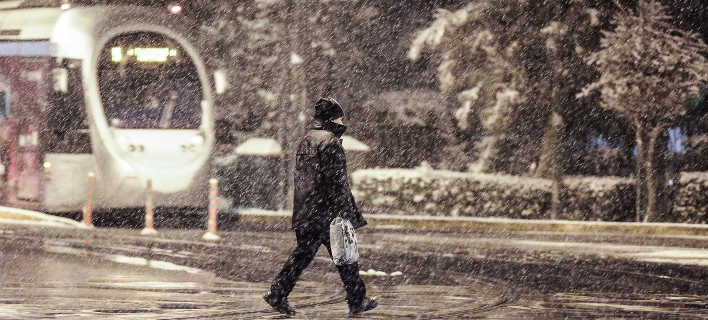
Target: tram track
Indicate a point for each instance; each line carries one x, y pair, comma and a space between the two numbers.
457, 311
258, 314
466, 288
468, 283
508, 295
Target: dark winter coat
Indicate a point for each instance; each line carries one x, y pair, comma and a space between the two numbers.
321, 186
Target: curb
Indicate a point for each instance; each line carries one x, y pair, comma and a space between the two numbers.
403, 222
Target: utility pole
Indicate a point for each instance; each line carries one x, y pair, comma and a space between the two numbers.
294, 97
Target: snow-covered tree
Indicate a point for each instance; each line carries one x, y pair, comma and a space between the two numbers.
507, 58
649, 70
475, 47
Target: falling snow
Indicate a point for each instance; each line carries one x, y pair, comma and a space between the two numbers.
515, 159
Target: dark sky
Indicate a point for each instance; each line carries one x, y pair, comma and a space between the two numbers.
690, 15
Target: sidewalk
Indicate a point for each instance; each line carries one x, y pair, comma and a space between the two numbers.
413, 222
403, 222
16, 216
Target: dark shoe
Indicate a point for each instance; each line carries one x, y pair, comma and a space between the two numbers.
279, 304
366, 305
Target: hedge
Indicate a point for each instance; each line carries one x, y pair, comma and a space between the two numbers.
599, 199
423, 191
691, 197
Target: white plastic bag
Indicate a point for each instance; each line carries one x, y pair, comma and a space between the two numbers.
343, 242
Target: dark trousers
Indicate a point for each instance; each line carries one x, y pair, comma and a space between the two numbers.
307, 245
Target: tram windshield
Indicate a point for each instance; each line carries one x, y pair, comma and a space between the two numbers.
148, 82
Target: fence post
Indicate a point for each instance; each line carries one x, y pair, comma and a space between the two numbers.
88, 206
149, 211
213, 193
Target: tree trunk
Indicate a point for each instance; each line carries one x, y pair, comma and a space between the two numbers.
640, 179
660, 153
486, 154
550, 164
548, 148
653, 176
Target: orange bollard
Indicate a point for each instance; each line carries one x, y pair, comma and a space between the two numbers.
149, 211
88, 206
213, 194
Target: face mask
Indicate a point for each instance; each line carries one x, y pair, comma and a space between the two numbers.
335, 128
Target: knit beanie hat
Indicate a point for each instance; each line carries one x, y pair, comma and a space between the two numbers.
328, 109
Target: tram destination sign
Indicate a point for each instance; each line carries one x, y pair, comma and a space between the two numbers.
118, 54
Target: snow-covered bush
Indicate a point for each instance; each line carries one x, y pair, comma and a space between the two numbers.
691, 199
423, 191
599, 198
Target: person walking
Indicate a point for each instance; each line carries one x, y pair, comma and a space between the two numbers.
322, 193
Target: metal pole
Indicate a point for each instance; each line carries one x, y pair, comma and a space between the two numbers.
213, 194
149, 211
88, 206
297, 96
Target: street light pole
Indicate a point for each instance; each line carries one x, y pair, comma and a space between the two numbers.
294, 99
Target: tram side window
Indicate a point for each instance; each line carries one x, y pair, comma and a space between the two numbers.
67, 124
148, 82
4, 104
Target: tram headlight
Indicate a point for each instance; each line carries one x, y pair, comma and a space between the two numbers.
197, 140
47, 167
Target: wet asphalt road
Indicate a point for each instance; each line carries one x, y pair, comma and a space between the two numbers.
118, 274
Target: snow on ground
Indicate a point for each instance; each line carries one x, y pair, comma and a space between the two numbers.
372, 272
675, 256
425, 172
263, 147
263, 212
26, 217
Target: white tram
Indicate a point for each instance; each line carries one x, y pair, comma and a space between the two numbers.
119, 91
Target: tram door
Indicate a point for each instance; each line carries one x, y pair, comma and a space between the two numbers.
24, 85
